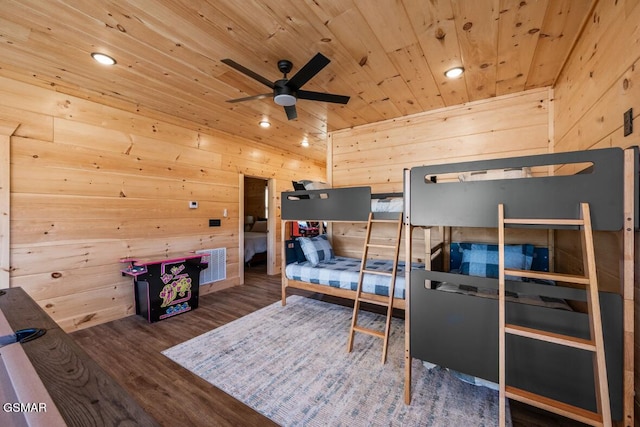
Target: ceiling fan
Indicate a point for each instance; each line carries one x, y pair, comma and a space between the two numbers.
286, 92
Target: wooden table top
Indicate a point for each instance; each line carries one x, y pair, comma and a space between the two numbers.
83, 392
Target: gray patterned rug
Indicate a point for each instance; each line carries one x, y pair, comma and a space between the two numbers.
290, 364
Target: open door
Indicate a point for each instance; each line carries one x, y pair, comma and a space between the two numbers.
258, 225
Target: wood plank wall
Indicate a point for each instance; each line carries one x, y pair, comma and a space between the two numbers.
91, 184
376, 154
597, 85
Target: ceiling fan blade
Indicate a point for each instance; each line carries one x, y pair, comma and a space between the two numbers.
309, 70
233, 64
325, 97
251, 98
291, 112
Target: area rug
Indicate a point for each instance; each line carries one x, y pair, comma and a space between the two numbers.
290, 364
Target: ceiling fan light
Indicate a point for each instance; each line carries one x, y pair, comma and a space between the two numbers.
454, 72
103, 59
285, 100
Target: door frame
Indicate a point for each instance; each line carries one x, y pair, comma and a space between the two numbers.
6, 130
271, 224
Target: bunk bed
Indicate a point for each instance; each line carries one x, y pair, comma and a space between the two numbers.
448, 324
336, 275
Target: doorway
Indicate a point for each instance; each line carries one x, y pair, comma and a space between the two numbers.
258, 215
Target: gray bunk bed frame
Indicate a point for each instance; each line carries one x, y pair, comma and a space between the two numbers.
460, 332
344, 204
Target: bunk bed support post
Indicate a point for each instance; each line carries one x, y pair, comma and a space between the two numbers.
628, 278
408, 245
283, 262
427, 247
502, 410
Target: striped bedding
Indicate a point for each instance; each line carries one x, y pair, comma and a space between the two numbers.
342, 272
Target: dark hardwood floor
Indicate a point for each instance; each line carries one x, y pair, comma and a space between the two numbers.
129, 349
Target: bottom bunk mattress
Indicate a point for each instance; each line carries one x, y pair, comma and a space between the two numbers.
342, 272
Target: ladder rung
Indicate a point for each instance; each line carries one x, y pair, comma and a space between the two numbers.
381, 273
552, 337
571, 278
373, 332
375, 245
395, 221
374, 301
555, 406
546, 221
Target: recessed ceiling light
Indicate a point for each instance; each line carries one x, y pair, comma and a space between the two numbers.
103, 59
305, 142
454, 72
264, 124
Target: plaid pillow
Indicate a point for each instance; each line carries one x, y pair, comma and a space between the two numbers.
482, 260
316, 249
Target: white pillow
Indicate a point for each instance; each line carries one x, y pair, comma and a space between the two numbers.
315, 185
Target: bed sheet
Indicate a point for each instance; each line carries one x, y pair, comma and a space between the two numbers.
254, 243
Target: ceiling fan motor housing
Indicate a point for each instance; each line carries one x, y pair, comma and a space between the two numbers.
282, 94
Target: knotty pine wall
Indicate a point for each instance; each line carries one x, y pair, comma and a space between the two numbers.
600, 81
91, 184
376, 154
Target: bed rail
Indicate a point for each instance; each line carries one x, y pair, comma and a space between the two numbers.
335, 204
474, 203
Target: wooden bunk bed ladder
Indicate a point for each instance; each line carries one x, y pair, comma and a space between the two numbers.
595, 345
363, 297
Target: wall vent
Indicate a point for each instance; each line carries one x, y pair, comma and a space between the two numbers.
217, 269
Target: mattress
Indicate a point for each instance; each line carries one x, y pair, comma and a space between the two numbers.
342, 272
393, 204
509, 296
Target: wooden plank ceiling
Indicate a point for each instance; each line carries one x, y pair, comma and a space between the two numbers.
389, 56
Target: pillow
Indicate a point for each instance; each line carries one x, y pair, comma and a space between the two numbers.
259, 227
495, 174
482, 260
315, 185
316, 249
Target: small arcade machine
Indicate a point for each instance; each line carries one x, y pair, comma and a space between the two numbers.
165, 287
